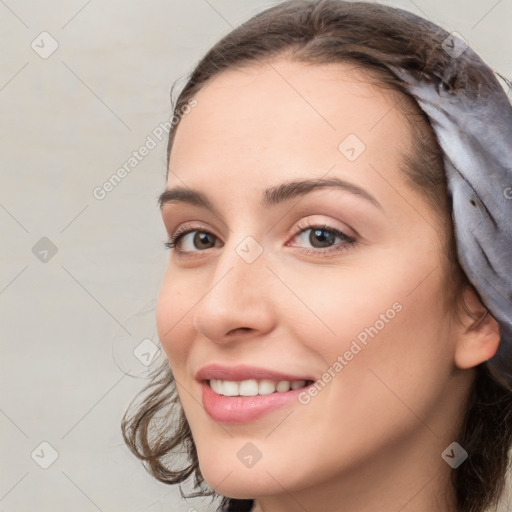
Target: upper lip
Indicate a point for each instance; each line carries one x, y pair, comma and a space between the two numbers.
244, 372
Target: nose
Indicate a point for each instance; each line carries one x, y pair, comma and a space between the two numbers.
238, 298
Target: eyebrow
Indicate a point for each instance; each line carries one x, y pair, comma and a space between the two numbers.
271, 196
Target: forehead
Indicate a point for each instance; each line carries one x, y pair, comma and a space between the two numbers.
282, 117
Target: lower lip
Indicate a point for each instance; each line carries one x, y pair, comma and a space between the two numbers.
242, 409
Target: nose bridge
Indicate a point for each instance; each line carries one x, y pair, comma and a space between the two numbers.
237, 295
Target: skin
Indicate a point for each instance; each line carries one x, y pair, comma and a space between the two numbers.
372, 438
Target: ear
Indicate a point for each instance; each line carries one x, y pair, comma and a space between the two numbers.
479, 336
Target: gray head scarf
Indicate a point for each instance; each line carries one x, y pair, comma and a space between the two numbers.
474, 130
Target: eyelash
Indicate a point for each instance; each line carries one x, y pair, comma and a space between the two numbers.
347, 243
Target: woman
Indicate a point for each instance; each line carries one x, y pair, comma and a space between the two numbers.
336, 308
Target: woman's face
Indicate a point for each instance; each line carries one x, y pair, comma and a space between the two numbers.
312, 259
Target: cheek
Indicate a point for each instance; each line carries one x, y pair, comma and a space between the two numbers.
402, 362
329, 308
392, 371
172, 317
366, 323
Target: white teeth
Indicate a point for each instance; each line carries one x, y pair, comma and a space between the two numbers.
229, 388
216, 385
253, 387
248, 388
266, 387
283, 385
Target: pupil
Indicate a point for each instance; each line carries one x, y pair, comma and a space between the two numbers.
201, 239
323, 236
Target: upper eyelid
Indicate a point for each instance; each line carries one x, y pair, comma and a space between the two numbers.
349, 231
298, 228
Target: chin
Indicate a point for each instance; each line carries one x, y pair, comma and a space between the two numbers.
240, 482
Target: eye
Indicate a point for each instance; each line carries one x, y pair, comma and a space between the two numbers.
323, 239
189, 240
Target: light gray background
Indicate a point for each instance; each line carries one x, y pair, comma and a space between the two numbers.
70, 324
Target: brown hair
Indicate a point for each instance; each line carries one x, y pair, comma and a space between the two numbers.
371, 36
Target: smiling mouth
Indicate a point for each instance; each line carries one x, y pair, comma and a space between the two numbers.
253, 387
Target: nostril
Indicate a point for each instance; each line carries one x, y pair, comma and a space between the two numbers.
242, 329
